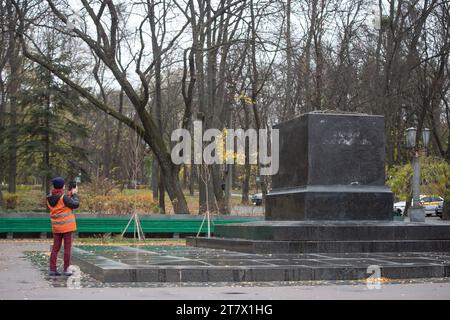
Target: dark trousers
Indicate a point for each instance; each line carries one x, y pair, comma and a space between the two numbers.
57, 241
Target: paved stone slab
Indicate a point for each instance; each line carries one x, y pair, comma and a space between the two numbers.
24, 278
188, 264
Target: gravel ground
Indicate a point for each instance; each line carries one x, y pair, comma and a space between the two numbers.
23, 276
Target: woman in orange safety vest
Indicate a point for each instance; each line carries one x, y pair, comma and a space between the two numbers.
63, 223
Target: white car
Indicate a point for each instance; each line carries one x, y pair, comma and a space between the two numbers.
399, 207
257, 199
429, 203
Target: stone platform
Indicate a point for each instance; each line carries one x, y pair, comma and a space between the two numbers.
187, 264
329, 237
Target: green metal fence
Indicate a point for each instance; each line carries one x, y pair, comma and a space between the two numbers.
114, 225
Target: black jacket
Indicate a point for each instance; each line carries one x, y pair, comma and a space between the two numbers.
71, 202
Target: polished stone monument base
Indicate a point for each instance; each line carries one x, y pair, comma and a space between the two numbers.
179, 264
330, 202
329, 237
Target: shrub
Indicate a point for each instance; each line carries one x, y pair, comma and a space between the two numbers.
100, 185
10, 200
32, 200
118, 203
399, 180
435, 177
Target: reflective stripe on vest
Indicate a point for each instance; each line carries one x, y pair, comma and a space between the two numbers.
62, 215
64, 221
62, 218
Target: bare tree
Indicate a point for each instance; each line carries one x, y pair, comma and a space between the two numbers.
105, 47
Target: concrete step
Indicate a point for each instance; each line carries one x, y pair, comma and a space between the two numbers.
270, 246
334, 231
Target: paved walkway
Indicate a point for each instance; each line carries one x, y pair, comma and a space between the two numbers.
19, 279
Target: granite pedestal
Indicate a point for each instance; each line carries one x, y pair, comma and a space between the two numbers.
331, 168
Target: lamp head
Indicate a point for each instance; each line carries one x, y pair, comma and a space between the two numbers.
426, 135
411, 137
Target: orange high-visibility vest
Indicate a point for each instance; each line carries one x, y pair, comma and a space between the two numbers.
62, 218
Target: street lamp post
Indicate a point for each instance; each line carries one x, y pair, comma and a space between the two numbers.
416, 212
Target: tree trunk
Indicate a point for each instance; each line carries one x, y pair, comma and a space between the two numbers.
171, 183
46, 154
13, 136
255, 91
158, 102
198, 40
289, 108
234, 182
217, 185
228, 177
115, 155
107, 150
185, 175
309, 104
246, 184
246, 181
155, 179
192, 179
407, 204
162, 198
14, 63
2, 119
228, 174
447, 155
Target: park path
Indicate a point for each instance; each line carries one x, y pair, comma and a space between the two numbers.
19, 279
